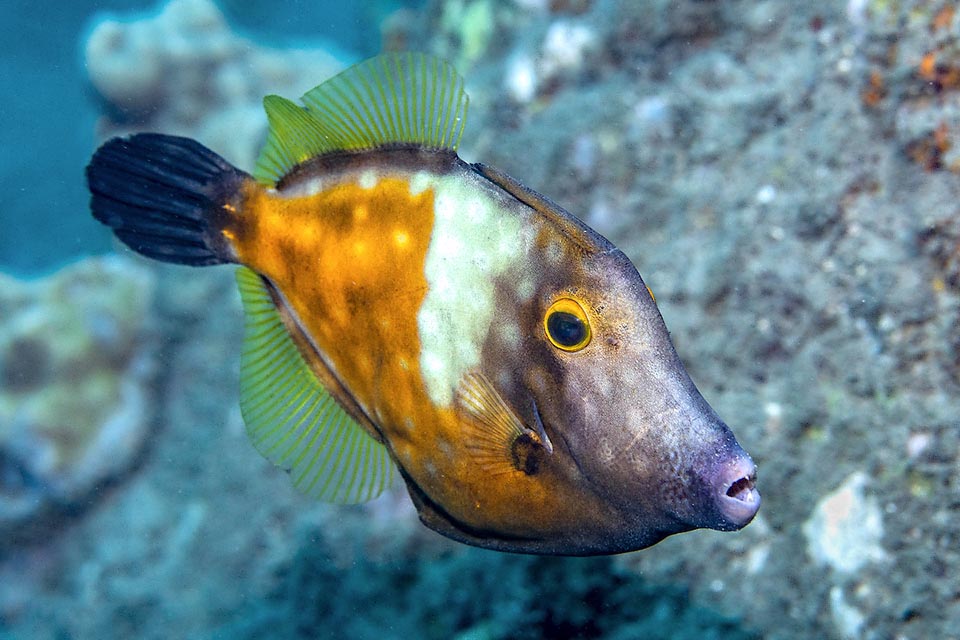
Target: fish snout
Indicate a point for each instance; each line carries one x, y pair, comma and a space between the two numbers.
735, 493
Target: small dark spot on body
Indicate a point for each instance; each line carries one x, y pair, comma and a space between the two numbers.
526, 454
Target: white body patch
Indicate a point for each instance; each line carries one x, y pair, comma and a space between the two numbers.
474, 241
313, 185
368, 179
526, 288
419, 183
304, 188
509, 333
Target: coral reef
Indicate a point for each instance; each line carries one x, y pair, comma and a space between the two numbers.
75, 359
183, 71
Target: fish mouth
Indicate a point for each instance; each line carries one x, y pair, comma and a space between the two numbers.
737, 497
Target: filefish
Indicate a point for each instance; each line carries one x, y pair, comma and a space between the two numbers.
408, 313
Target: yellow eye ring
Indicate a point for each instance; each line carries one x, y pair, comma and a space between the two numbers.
566, 325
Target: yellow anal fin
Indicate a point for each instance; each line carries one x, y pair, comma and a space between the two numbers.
293, 420
496, 438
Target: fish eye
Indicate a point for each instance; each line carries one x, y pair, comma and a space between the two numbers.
567, 325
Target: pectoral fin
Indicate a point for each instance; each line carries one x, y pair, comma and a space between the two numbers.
496, 438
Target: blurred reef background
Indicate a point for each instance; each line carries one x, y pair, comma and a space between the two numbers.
785, 175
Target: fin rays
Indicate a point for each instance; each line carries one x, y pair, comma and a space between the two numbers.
406, 98
490, 425
292, 420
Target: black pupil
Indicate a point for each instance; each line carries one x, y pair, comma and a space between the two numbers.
566, 328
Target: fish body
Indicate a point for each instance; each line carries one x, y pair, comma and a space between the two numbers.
409, 310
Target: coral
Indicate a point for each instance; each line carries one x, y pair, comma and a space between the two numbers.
74, 361
914, 76
184, 71
566, 47
846, 527
472, 24
565, 51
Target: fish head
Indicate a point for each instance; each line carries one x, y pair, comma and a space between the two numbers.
621, 414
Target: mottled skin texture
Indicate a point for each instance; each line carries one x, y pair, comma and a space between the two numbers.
634, 446
638, 433
624, 416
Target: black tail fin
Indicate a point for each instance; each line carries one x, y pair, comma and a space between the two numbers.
164, 196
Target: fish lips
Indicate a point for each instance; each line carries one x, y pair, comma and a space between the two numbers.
731, 487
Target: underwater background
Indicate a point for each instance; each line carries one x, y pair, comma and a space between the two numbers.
784, 175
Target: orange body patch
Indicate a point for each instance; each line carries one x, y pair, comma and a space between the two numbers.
349, 263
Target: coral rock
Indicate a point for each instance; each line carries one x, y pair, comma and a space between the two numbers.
74, 360
184, 71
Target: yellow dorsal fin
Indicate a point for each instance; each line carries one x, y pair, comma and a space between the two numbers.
292, 420
496, 438
394, 98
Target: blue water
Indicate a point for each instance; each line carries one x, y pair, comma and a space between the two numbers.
46, 134
48, 110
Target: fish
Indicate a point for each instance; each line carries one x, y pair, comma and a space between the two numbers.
409, 314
